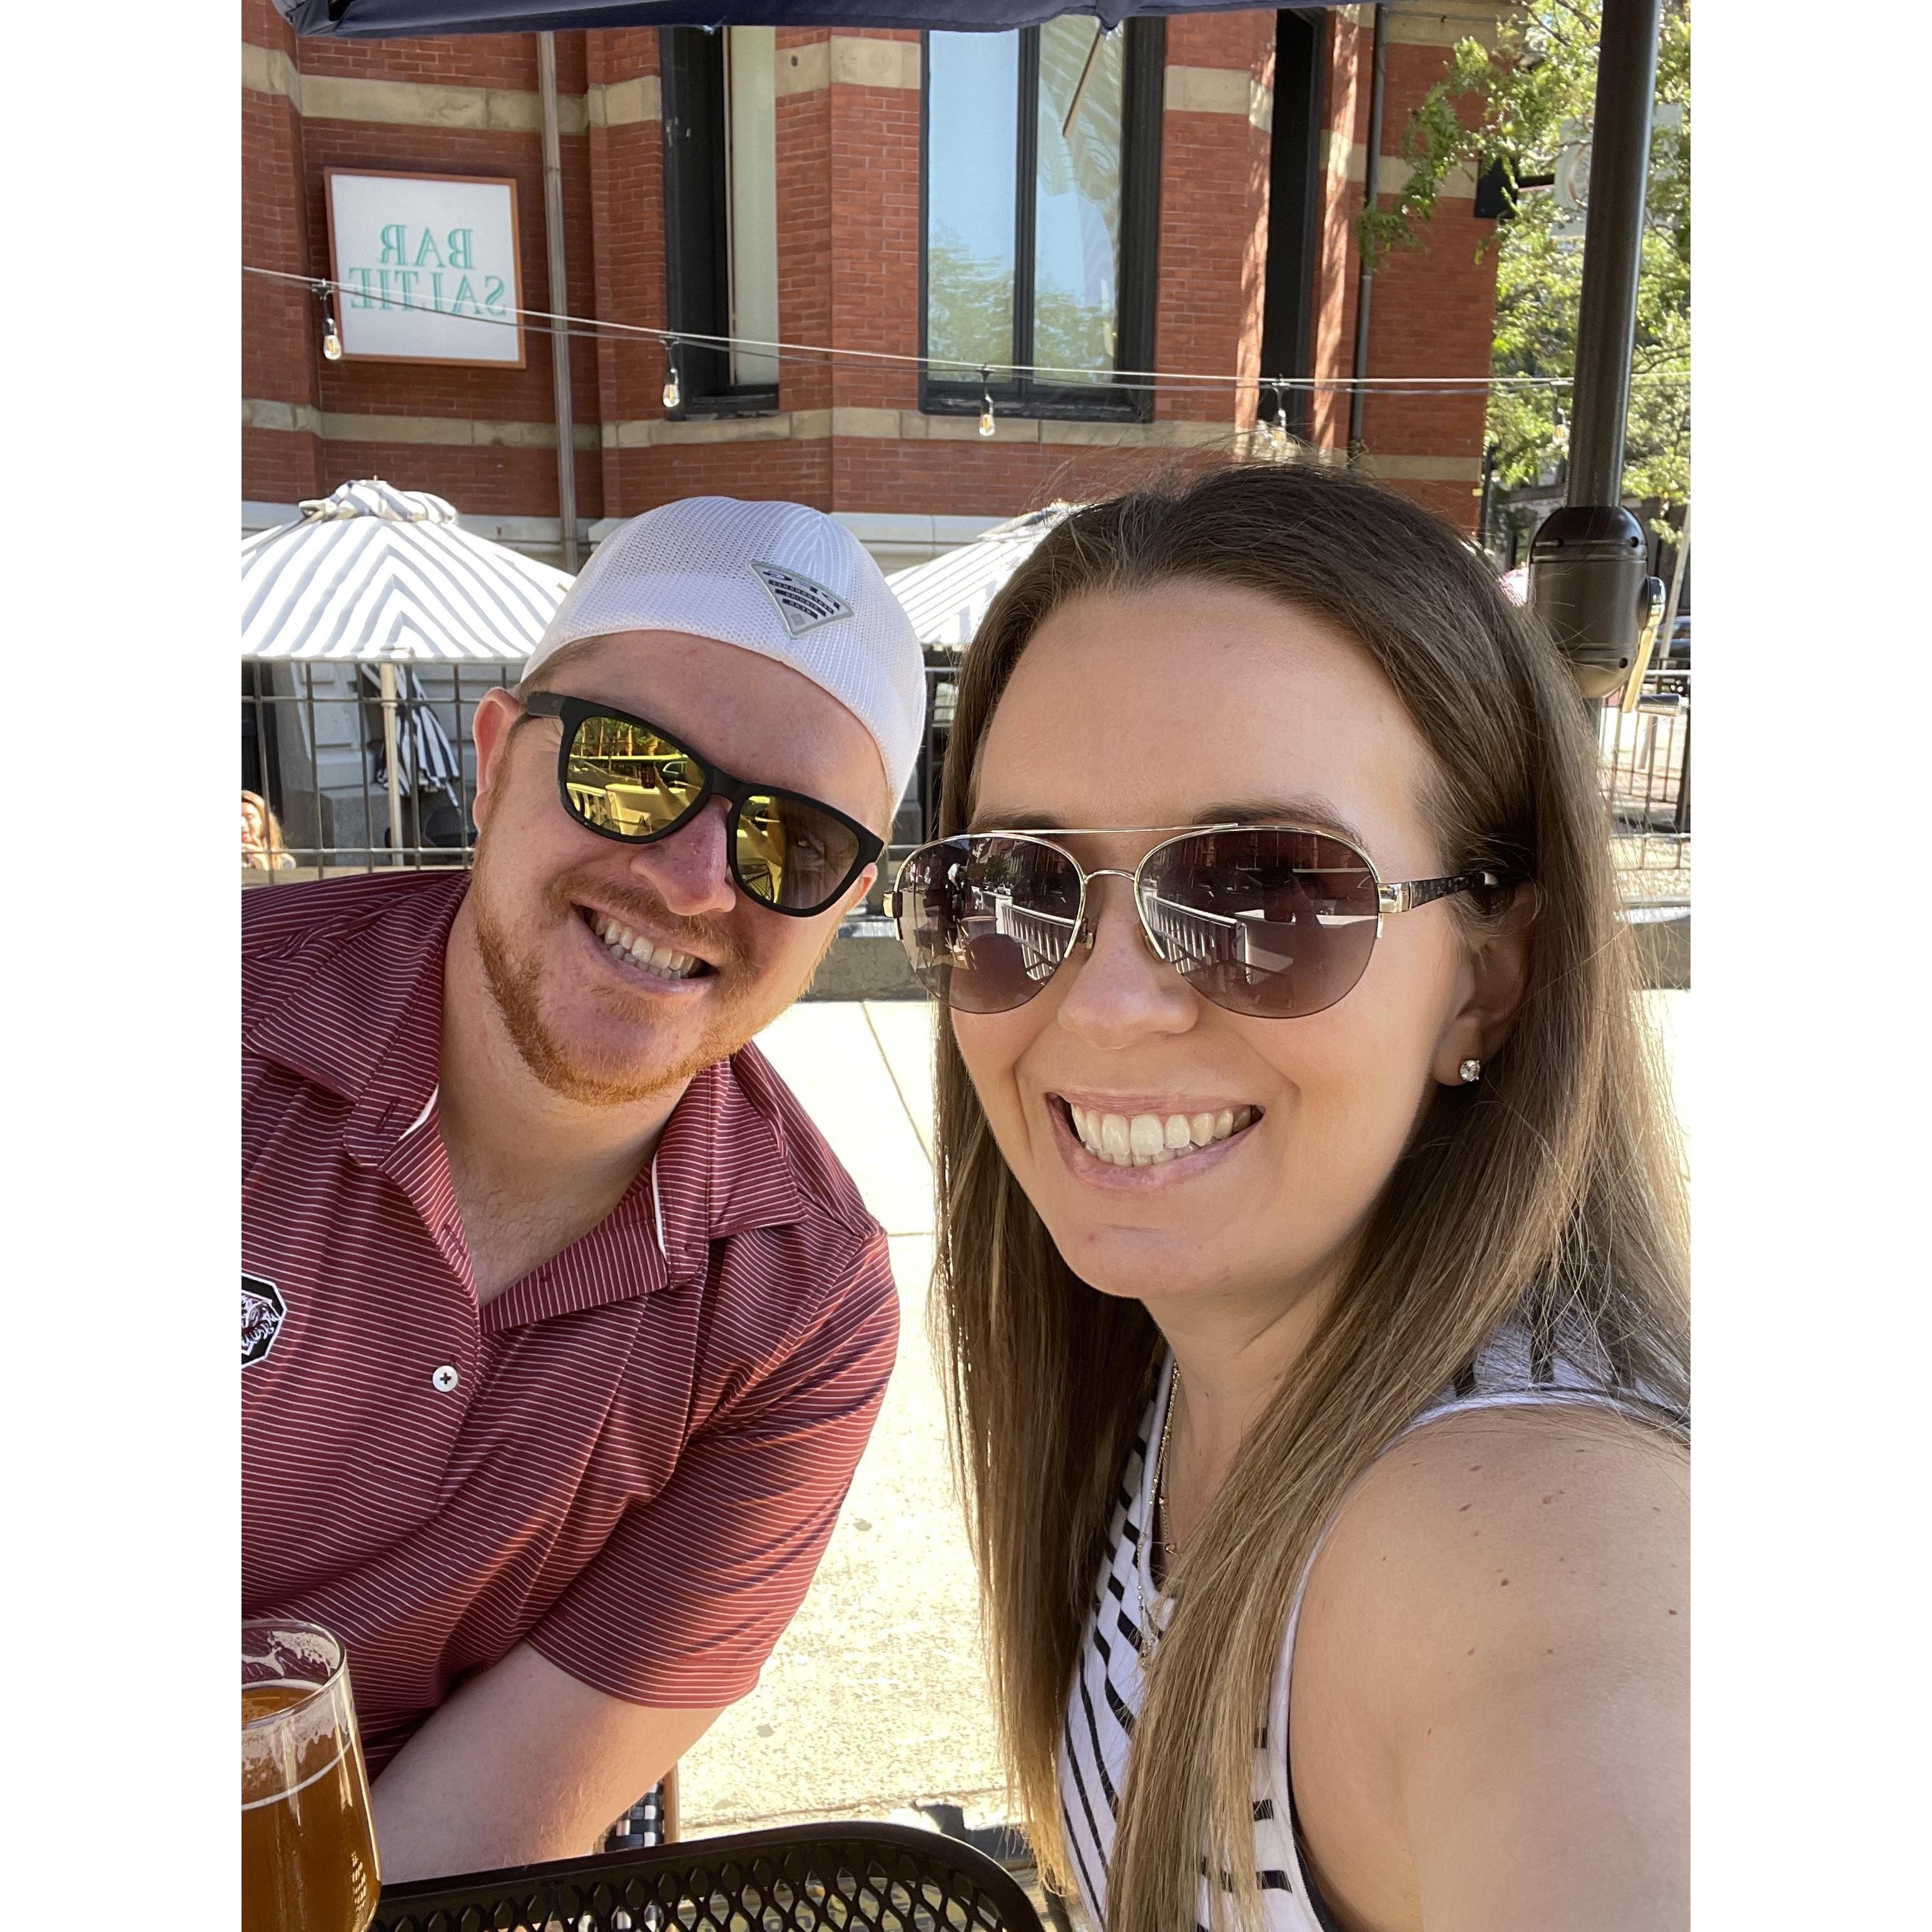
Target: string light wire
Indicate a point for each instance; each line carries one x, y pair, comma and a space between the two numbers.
538, 322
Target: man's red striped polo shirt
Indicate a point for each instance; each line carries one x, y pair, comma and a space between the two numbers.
632, 1457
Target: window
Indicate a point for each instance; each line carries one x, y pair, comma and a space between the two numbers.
721, 214
1039, 221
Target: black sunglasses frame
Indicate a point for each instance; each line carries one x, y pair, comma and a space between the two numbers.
1403, 895
575, 712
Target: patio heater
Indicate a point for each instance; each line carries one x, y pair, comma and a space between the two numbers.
1589, 580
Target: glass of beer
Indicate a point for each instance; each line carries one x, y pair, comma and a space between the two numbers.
308, 1845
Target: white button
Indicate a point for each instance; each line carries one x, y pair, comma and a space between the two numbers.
445, 1379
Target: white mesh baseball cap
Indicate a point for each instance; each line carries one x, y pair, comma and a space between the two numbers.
778, 579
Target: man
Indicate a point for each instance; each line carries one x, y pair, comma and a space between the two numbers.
562, 1328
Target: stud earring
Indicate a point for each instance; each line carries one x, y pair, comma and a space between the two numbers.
1472, 1070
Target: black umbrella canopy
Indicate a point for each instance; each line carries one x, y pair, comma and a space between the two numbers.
380, 20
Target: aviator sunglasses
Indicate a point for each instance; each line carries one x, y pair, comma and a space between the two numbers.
1273, 921
625, 779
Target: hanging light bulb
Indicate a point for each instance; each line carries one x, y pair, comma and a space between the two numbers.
673, 394
986, 424
331, 343
1278, 429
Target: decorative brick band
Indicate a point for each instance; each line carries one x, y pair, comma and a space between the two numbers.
1424, 468
910, 426
403, 103
1418, 25
623, 103
1441, 26
1347, 160
1217, 90
445, 432
848, 60
857, 62
785, 426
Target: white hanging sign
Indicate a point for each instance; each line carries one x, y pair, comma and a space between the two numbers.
425, 267
1572, 186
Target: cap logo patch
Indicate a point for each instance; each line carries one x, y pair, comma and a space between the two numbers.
263, 1312
801, 604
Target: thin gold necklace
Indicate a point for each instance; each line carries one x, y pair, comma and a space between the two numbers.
1167, 1546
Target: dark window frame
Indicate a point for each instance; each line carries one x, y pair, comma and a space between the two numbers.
1141, 107
698, 251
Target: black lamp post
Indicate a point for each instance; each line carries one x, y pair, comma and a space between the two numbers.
1589, 573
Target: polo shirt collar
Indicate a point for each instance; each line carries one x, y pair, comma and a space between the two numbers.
721, 1165
364, 1019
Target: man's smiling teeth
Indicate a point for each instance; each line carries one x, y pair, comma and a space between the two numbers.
625, 944
1147, 1140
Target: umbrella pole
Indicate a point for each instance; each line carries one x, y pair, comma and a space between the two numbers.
388, 674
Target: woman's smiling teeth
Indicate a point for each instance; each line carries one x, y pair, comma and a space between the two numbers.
624, 945
1147, 1140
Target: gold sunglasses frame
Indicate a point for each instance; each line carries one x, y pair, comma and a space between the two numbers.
1391, 898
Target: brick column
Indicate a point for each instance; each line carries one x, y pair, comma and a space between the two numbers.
626, 251
1345, 129
281, 332
1433, 309
1213, 211
874, 193
803, 138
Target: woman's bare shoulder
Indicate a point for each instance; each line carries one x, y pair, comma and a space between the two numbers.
1567, 1482
1492, 1588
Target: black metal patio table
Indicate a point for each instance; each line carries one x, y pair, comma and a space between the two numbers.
801, 1878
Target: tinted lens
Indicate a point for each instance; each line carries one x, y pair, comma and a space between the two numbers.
622, 778
986, 920
1272, 923
791, 854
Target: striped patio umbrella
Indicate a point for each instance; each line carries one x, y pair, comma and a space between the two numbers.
947, 596
386, 578
375, 574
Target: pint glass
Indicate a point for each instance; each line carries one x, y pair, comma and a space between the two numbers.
308, 1847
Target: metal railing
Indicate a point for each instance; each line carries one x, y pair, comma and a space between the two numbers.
319, 740
316, 738
1645, 763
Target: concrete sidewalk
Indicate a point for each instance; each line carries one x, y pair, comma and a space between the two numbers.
875, 1702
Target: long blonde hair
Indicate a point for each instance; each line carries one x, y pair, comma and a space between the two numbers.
1553, 1193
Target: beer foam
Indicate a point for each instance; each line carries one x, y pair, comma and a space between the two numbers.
283, 1751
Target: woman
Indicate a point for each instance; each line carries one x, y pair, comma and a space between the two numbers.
262, 850
1311, 1238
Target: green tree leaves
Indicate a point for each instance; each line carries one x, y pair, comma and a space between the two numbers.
1514, 102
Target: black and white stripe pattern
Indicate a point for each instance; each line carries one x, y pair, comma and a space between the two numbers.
1109, 1689
428, 759
946, 597
372, 572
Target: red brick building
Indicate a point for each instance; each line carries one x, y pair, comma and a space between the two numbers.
854, 191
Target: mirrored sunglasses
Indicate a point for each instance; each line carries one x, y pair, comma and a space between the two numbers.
1274, 921
625, 779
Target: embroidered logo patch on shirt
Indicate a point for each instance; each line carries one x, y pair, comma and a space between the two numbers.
801, 604
263, 1312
